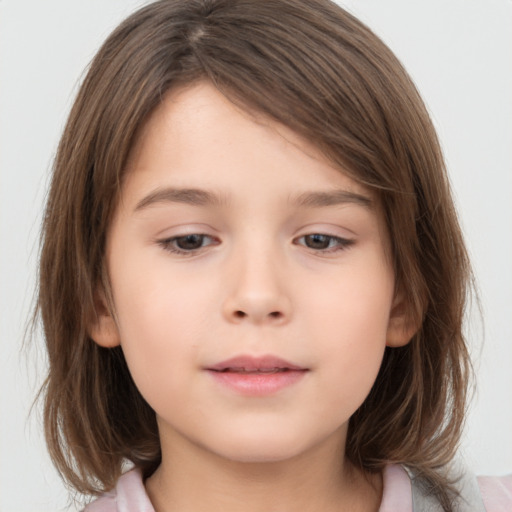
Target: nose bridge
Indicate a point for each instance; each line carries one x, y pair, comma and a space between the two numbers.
257, 288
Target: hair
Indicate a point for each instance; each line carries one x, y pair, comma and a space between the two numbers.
318, 70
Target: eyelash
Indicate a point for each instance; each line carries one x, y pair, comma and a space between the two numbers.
340, 244
170, 244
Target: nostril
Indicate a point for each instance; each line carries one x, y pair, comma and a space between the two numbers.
243, 314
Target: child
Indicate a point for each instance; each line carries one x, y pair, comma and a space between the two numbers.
252, 276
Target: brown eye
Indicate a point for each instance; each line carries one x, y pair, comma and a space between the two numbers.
189, 242
187, 245
324, 243
317, 241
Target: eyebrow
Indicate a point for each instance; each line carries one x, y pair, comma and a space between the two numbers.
192, 196
200, 197
331, 198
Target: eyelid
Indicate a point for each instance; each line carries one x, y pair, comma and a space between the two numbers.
335, 243
342, 243
167, 244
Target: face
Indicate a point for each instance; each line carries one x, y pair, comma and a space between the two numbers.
251, 282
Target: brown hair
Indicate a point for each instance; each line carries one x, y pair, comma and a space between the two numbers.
315, 68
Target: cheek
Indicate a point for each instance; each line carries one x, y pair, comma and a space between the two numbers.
354, 318
154, 299
353, 303
160, 319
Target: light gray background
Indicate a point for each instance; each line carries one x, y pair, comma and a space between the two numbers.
459, 52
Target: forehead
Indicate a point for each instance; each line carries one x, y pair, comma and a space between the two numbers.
196, 133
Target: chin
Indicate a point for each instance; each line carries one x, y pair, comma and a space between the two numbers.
258, 454
260, 448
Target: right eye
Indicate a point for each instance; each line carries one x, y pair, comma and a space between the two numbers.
186, 244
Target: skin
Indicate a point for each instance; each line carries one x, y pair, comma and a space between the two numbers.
257, 283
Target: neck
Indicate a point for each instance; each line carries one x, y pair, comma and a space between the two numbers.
193, 479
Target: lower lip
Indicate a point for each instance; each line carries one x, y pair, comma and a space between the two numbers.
258, 384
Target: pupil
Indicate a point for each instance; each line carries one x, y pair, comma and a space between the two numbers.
317, 241
190, 241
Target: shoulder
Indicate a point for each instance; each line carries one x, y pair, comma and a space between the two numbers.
129, 495
396, 491
496, 493
404, 493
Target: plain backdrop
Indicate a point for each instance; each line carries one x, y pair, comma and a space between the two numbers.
459, 52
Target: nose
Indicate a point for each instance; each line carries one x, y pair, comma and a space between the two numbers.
257, 289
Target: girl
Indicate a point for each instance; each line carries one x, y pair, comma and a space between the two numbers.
252, 276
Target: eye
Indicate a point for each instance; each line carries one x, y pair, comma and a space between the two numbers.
324, 243
186, 244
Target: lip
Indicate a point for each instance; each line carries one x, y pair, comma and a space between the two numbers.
251, 363
256, 376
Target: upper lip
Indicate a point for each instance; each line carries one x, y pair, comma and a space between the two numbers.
252, 363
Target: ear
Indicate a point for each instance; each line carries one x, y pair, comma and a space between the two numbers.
103, 328
401, 327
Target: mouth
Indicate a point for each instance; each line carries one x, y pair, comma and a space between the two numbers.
256, 370
249, 364
256, 376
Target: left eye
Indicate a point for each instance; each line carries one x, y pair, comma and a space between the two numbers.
321, 242
186, 244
